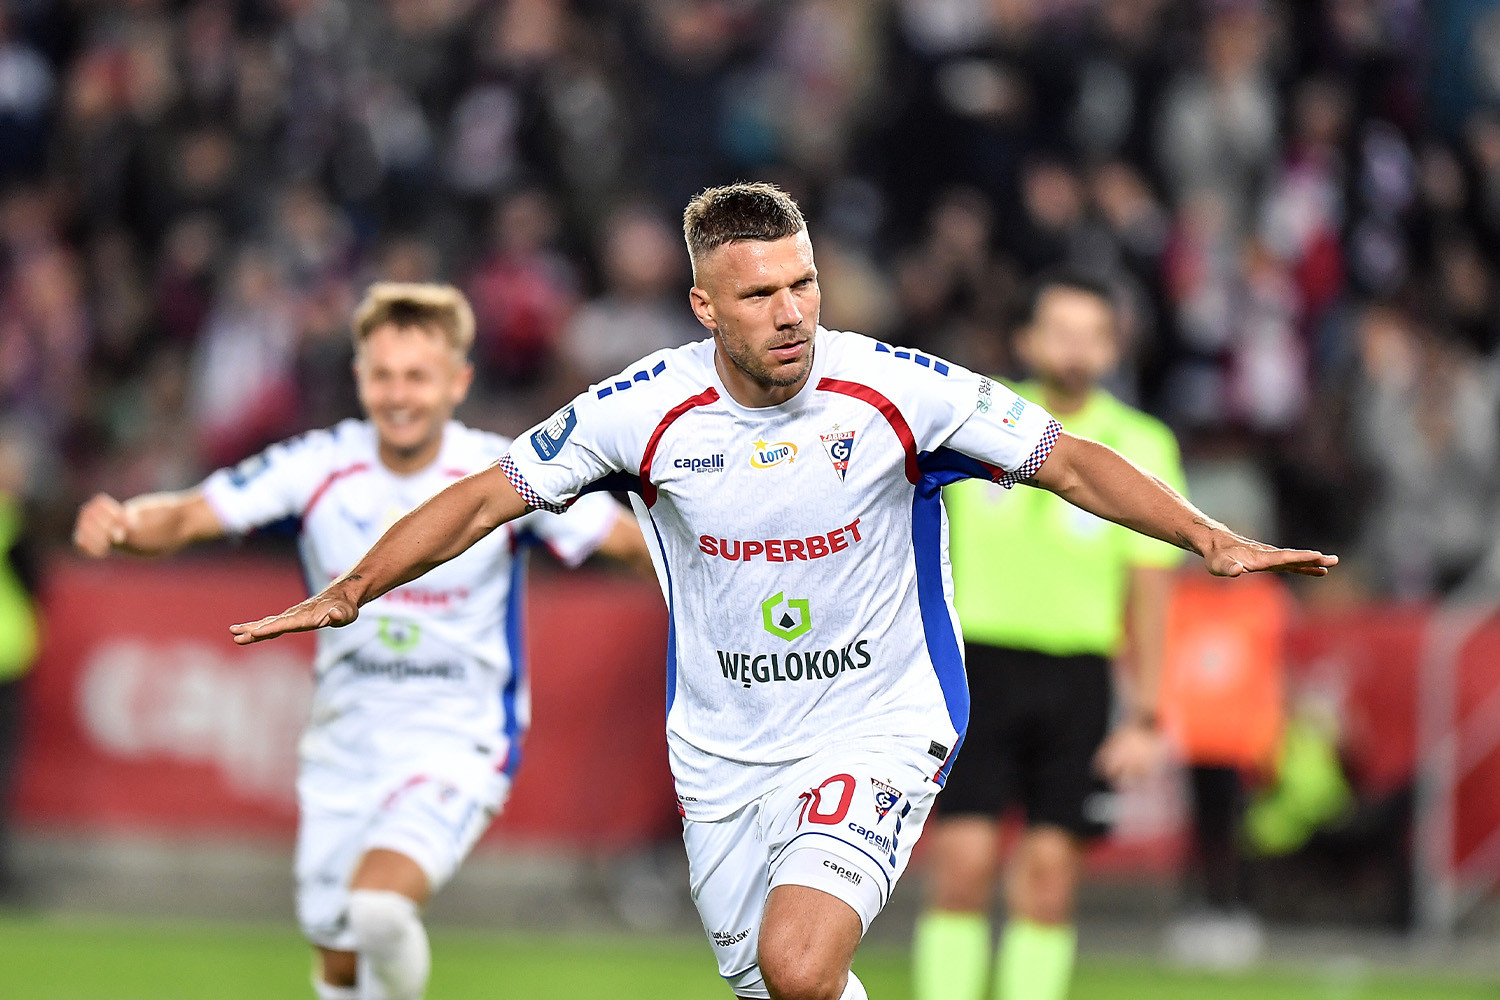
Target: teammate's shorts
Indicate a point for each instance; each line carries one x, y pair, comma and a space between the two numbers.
432, 815
1036, 722
843, 820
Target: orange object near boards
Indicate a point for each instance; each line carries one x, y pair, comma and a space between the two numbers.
1221, 693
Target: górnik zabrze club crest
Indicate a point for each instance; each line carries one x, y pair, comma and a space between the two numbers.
839, 445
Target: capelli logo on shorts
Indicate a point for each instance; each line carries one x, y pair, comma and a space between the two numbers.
845, 873
768, 455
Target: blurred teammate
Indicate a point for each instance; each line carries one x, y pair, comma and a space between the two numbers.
420, 708
1038, 654
789, 478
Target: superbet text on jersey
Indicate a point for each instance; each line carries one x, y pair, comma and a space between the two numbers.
801, 547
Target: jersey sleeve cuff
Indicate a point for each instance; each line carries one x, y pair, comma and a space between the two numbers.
532, 497
1034, 461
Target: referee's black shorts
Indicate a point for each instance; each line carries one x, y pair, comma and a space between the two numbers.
1036, 722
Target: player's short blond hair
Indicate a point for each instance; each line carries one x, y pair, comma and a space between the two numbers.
429, 306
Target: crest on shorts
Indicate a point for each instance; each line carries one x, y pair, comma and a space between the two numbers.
839, 445
886, 798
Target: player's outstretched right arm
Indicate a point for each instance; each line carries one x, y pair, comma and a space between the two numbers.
435, 532
155, 524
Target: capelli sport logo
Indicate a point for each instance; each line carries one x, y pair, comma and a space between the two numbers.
768, 455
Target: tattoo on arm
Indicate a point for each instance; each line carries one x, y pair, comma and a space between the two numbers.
1200, 522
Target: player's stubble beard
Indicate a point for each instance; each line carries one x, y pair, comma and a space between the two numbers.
743, 357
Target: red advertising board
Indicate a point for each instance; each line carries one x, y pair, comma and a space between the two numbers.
144, 716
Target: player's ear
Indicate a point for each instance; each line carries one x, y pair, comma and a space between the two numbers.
462, 380
703, 307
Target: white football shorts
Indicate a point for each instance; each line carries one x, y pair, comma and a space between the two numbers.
843, 820
433, 815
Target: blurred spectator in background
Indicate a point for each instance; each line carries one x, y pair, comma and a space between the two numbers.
642, 308
18, 628
27, 87
243, 388
524, 290
1250, 175
1426, 419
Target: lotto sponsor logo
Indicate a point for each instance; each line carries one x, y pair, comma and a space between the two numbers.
782, 549
768, 455
713, 463
749, 669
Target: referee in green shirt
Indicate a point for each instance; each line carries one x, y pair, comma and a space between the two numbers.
1073, 593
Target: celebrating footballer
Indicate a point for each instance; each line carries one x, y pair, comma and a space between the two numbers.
789, 481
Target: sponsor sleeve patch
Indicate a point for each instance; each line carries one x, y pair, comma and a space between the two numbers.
548, 439
247, 470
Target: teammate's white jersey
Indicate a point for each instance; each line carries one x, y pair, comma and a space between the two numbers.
802, 548
435, 665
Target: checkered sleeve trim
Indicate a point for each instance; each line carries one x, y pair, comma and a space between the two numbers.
531, 496
1028, 468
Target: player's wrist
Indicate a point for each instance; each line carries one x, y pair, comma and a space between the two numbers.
1145, 718
350, 587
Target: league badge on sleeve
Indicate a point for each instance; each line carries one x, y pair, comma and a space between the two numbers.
886, 798
548, 439
839, 445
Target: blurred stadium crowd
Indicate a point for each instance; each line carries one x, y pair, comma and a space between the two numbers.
1299, 202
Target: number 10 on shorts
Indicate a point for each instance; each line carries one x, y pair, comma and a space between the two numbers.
813, 801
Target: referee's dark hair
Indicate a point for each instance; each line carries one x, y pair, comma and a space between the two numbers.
1072, 279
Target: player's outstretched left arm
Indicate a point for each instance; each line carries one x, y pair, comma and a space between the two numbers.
435, 532
1104, 482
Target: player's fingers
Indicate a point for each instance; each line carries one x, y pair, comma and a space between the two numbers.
1303, 561
92, 536
303, 618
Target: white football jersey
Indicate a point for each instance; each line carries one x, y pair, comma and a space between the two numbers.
434, 664
802, 547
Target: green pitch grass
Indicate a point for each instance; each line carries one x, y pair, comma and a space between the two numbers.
77, 959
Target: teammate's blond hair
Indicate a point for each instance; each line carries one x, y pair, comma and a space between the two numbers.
407, 303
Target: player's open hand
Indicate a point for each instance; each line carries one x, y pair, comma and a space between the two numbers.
325, 610
1244, 555
102, 524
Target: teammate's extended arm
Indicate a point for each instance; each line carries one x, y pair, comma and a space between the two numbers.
439, 529
1104, 482
154, 524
